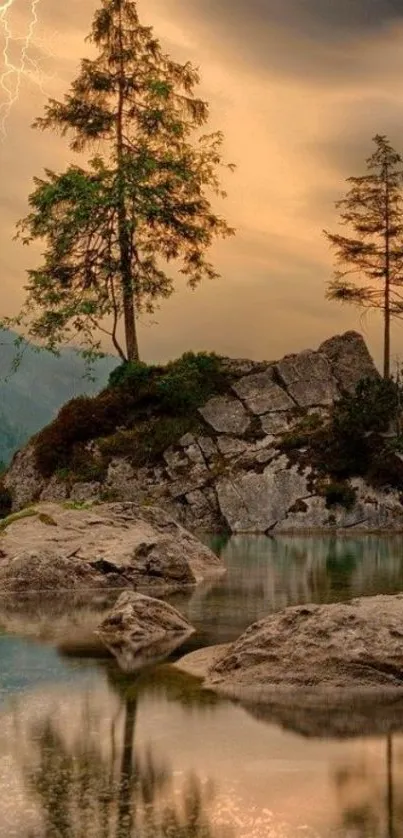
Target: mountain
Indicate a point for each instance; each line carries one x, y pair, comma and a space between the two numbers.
31, 397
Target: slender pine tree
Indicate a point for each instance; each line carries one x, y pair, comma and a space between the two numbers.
370, 262
113, 228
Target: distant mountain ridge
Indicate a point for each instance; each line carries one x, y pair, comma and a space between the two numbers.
32, 396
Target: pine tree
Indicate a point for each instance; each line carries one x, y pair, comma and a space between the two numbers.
112, 228
370, 262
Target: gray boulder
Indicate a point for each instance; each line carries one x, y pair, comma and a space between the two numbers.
229, 472
305, 653
350, 359
119, 545
253, 502
141, 630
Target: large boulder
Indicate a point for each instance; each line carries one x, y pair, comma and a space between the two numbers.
140, 630
350, 360
114, 545
253, 502
313, 653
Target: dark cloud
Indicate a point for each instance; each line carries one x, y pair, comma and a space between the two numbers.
313, 38
308, 17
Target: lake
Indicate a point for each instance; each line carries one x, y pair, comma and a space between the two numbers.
88, 752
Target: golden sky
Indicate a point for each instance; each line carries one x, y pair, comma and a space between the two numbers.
299, 89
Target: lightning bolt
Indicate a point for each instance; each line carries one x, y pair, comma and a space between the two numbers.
24, 66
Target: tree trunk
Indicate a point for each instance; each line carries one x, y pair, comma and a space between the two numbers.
386, 339
132, 348
125, 816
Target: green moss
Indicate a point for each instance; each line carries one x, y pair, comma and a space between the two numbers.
29, 512
145, 443
78, 504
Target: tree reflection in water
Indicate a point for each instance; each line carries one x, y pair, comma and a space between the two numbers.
370, 794
85, 790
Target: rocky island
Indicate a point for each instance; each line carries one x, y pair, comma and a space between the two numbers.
224, 444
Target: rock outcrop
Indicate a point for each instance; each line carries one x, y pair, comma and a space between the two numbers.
141, 630
231, 473
313, 653
112, 545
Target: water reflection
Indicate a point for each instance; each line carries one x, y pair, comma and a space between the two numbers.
89, 752
84, 789
156, 757
264, 575
267, 574
370, 797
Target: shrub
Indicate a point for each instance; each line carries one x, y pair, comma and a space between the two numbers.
140, 400
187, 383
352, 441
372, 408
339, 494
6, 501
131, 374
144, 444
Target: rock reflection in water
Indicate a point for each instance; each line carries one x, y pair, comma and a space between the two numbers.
267, 574
264, 575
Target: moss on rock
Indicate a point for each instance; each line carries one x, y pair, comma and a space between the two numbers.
143, 411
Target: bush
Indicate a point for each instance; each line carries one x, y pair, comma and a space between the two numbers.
6, 501
187, 383
79, 421
132, 374
139, 401
145, 444
339, 494
372, 408
352, 441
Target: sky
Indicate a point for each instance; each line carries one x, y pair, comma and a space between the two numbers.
299, 88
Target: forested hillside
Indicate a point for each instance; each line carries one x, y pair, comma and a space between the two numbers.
31, 397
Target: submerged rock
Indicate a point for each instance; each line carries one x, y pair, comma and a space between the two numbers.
111, 545
141, 630
315, 652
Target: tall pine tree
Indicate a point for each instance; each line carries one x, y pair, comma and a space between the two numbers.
370, 262
111, 229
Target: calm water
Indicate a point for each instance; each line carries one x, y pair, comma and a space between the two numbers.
86, 752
